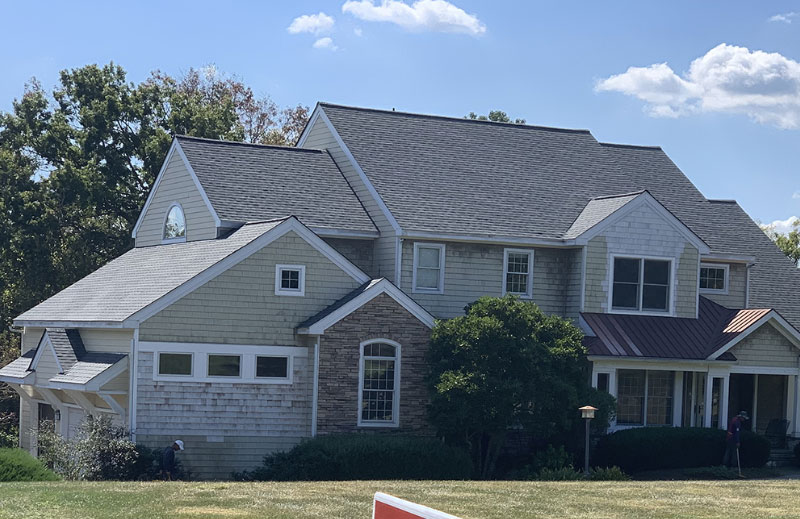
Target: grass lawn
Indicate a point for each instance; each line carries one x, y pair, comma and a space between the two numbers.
353, 499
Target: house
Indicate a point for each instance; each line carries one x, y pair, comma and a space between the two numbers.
275, 294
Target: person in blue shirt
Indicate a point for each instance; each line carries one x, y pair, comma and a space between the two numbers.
168, 460
733, 439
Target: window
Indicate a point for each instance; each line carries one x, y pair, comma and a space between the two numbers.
272, 367
644, 397
378, 388
602, 382
641, 284
175, 364
428, 268
714, 278
290, 280
518, 272
224, 365
175, 224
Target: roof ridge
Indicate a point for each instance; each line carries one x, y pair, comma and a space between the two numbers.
460, 119
606, 197
631, 146
722, 201
249, 144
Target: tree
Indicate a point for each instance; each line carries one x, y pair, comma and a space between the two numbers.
497, 116
789, 243
504, 364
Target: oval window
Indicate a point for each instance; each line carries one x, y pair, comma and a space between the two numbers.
175, 225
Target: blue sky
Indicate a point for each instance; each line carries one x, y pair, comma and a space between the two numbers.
731, 121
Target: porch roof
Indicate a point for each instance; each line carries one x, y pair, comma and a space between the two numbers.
624, 335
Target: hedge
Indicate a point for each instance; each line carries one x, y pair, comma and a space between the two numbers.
364, 457
656, 448
19, 465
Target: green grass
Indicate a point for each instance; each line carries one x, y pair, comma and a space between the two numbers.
19, 465
353, 499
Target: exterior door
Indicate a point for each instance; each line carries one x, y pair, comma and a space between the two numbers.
699, 399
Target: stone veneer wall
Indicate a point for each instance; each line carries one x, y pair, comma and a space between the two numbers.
381, 318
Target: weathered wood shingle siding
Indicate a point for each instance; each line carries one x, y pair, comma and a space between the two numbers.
574, 267
320, 137
737, 288
474, 270
643, 232
359, 252
240, 306
176, 186
766, 347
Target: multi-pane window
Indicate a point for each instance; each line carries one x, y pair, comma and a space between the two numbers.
378, 384
518, 275
224, 365
175, 364
175, 224
641, 284
713, 278
272, 367
645, 397
290, 280
428, 267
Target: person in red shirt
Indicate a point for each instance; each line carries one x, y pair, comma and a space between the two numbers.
733, 439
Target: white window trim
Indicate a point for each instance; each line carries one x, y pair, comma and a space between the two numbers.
179, 239
396, 400
288, 376
157, 363
226, 377
670, 312
285, 291
442, 250
200, 352
529, 289
723, 266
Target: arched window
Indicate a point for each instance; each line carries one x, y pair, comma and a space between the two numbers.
175, 224
379, 383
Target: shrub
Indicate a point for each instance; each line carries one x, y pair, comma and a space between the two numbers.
563, 474
608, 474
18, 465
9, 432
366, 457
658, 448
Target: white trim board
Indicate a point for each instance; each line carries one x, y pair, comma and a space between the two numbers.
175, 146
384, 286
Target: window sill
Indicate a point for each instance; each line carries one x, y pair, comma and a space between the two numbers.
289, 293
714, 291
379, 425
427, 291
167, 241
650, 313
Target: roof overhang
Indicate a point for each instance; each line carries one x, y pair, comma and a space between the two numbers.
773, 318
729, 257
94, 383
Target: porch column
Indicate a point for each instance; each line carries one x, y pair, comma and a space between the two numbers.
677, 402
707, 405
753, 426
791, 385
723, 413
796, 411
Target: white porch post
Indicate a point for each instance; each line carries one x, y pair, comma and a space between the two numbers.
791, 383
723, 413
693, 403
677, 403
754, 423
707, 407
796, 411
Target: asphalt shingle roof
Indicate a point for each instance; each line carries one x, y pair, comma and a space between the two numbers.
139, 277
597, 210
18, 368
247, 182
68, 346
88, 367
340, 303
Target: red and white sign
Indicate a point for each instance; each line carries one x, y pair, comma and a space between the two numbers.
390, 507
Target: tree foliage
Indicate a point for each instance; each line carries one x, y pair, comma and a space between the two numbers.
77, 163
505, 364
789, 243
497, 116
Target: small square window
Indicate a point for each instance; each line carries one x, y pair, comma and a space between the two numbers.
175, 364
290, 280
272, 367
224, 365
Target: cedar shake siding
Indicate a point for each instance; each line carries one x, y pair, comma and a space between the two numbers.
339, 359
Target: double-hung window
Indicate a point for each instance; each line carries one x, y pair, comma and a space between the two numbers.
429, 268
641, 284
379, 383
518, 272
645, 397
714, 278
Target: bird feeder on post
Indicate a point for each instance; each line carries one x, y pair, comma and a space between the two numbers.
587, 413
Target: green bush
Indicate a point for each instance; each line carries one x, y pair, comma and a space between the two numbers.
563, 474
608, 474
365, 457
18, 465
655, 448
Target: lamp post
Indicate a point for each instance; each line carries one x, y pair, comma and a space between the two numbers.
587, 413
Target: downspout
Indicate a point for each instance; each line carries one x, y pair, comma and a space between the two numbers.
133, 386
315, 389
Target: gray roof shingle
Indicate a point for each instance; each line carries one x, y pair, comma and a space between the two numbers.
597, 210
248, 182
68, 346
139, 277
19, 367
88, 367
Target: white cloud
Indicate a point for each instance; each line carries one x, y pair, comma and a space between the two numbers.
796, 195
780, 226
325, 43
358, 32
727, 79
314, 23
422, 15
783, 17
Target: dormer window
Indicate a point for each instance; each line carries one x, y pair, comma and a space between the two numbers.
714, 278
175, 224
641, 284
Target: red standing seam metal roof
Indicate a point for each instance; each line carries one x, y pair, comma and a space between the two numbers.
623, 335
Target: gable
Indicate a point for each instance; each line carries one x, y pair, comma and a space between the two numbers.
175, 184
239, 306
46, 363
766, 347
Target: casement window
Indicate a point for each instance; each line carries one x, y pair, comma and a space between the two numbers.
645, 397
379, 383
518, 272
272, 367
714, 278
428, 268
224, 365
290, 280
175, 364
641, 284
174, 224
